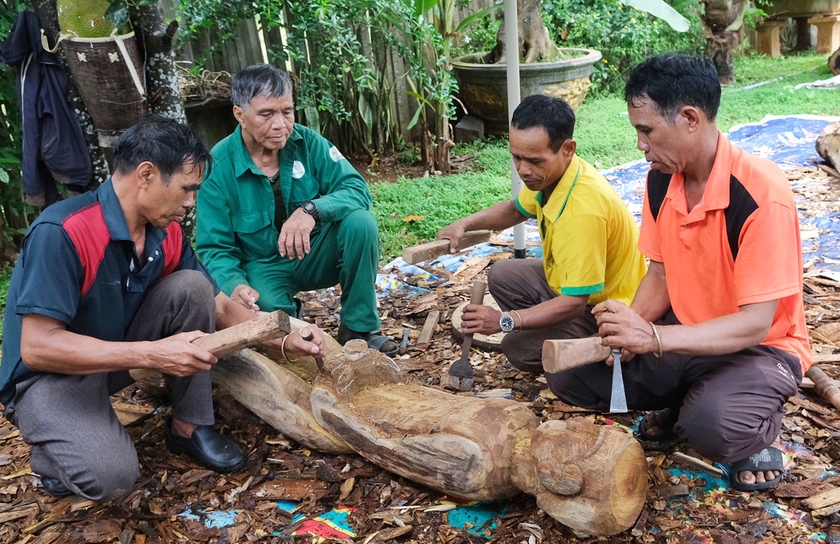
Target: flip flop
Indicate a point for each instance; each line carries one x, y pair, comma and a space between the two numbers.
769, 458
665, 420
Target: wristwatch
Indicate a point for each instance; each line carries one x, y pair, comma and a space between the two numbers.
506, 322
310, 208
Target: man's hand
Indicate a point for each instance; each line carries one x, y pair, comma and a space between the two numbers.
453, 233
178, 356
481, 319
316, 347
621, 327
246, 296
294, 236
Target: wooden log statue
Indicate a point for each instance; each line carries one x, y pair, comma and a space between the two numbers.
591, 478
278, 392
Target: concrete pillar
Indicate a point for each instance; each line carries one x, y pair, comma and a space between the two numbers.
768, 38
828, 33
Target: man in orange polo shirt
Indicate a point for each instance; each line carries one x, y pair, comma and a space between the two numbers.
715, 337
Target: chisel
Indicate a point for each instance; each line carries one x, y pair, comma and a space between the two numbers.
618, 398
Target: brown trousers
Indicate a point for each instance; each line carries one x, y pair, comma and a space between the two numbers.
730, 406
521, 283
68, 419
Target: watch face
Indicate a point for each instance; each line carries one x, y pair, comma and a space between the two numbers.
506, 322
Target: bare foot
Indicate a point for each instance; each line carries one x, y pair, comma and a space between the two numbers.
759, 477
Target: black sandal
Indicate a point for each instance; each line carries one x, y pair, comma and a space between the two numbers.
769, 458
665, 420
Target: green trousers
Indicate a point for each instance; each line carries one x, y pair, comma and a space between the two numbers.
345, 252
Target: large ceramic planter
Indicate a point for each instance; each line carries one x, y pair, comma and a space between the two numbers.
483, 87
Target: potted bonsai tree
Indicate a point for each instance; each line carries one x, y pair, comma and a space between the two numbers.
545, 68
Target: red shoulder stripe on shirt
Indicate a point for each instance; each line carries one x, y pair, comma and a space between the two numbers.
172, 248
89, 233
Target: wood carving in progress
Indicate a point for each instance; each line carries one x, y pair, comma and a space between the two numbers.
592, 478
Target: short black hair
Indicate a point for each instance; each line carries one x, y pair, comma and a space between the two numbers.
259, 80
674, 80
555, 115
162, 141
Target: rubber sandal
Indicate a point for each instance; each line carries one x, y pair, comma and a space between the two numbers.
769, 458
665, 420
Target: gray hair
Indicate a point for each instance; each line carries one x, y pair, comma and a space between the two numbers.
259, 80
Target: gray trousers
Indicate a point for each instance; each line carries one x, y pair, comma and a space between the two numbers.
730, 406
68, 420
521, 283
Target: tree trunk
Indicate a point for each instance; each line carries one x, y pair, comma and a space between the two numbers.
723, 22
534, 41
162, 89
49, 20
443, 143
828, 145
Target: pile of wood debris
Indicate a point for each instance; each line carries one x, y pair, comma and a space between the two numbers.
175, 500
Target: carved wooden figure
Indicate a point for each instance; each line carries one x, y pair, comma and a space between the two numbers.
591, 478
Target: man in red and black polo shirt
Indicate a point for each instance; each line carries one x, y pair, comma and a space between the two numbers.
715, 336
107, 282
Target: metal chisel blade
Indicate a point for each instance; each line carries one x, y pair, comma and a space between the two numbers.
618, 399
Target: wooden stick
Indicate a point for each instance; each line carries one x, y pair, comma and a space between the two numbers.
432, 250
824, 386
428, 330
261, 328
699, 464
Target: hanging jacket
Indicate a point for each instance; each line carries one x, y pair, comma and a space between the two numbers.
54, 148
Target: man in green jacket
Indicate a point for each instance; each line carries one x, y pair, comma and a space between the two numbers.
283, 211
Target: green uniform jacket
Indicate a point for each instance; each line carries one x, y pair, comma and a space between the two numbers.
235, 208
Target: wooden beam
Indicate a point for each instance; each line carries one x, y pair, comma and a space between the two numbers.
824, 386
432, 250
428, 329
250, 333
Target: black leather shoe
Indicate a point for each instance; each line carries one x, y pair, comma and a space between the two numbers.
208, 447
55, 487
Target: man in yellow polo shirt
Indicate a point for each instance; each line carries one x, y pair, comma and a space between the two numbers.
589, 240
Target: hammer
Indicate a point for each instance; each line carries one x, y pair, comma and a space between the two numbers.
560, 355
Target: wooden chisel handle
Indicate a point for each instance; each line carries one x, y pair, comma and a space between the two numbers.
476, 297
560, 355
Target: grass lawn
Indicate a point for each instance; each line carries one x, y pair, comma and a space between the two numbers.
413, 210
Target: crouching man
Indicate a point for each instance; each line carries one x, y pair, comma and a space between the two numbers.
107, 282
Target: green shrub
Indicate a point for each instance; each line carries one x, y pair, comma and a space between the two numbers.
624, 35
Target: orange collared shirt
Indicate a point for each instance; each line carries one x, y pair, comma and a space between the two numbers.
740, 245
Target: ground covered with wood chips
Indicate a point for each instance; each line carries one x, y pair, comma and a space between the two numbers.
176, 500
